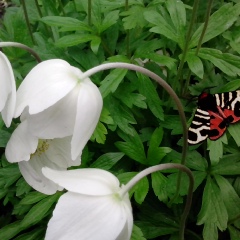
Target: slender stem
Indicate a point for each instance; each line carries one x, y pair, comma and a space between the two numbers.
38, 8
89, 12
160, 81
27, 20
22, 46
160, 167
205, 25
185, 49
61, 6
127, 34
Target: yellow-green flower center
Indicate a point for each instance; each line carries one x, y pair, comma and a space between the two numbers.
42, 147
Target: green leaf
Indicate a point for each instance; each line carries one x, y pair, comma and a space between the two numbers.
234, 130
230, 86
140, 190
196, 161
228, 165
39, 211
134, 17
216, 149
161, 25
226, 62
137, 234
159, 184
4, 137
173, 123
33, 235
32, 197
229, 196
95, 43
109, 20
148, 90
234, 232
74, 39
132, 147
66, 23
99, 133
107, 160
155, 153
121, 114
219, 22
11, 230
111, 82
213, 213
195, 64
10, 174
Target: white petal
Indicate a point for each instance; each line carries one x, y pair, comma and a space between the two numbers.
87, 218
21, 144
57, 156
45, 85
58, 120
7, 90
88, 181
31, 172
88, 112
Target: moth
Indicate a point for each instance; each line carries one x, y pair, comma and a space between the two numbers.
3, 6
213, 115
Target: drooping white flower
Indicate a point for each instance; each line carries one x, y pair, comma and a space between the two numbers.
33, 154
7, 90
92, 209
59, 103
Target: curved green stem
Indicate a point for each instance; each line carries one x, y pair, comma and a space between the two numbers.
159, 80
204, 26
27, 20
22, 46
185, 49
160, 167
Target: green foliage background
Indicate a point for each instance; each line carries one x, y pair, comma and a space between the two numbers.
193, 46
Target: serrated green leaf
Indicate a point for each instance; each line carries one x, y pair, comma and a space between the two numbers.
159, 184
134, 17
148, 90
228, 165
230, 86
140, 190
74, 39
10, 174
107, 160
33, 235
229, 196
213, 213
216, 149
196, 161
234, 130
95, 43
32, 197
173, 123
105, 116
195, 64
39, 211
4, 137
161, 25
219, 22
226, 62
111, 82
121, 114
155, 153
11, 230
109, 20
132, 147
234, 232
137, 234
66, 23
99, 133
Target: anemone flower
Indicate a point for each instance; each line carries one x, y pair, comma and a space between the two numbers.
53, 153
96, 207
7, 90
59, 103
92, 209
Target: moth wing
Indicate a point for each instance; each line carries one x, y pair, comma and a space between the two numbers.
200, 127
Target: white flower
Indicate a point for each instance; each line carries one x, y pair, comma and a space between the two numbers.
7, 90
59, 103
92, 209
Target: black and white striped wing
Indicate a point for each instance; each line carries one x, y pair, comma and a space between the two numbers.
200, 127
